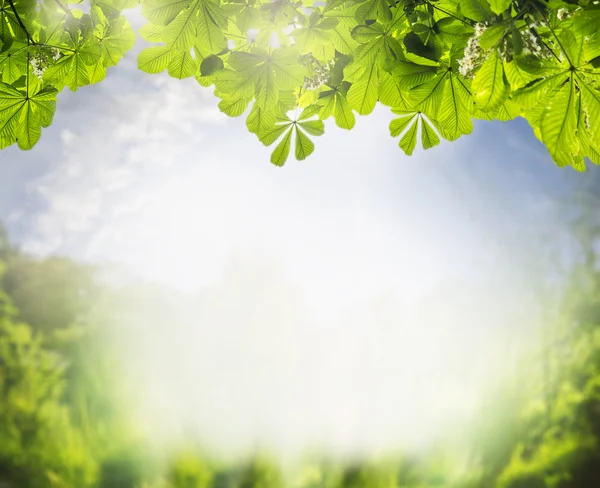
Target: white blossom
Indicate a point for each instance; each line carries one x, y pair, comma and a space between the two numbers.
562, 14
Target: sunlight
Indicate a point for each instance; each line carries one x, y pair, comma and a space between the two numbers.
281, 345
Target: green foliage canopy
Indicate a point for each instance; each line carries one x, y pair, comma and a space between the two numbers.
289, 65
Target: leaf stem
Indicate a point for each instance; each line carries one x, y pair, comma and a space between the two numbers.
27, 77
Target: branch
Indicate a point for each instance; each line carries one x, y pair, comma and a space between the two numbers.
21, 24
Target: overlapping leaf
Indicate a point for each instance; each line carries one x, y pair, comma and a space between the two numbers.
437, 65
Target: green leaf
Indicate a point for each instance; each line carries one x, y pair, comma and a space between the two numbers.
587, 21
454, 116
13, 63
182, 66
408, 142
367, 33
260, 121
499, 6
304, 146
162, 12
390, 93
282, 151
489, 86
342, 113
530, 95
313, 127
233, 108
491, 36
23, 114
410, 75
210, 34
478, 10
151, 32
373, 10
414, 44
429, 138
559, 123
155, 59
591, 103
362, 95
397, 126
211, 65
181, 32
428, 96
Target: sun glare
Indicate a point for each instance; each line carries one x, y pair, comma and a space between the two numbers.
292, 334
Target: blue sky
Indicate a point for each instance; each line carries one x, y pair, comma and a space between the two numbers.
146, 172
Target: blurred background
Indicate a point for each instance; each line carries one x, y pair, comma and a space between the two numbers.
109, 379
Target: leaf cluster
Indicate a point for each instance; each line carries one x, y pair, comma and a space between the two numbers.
289, 65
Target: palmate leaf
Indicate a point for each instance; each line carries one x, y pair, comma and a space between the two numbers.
335, 103
447, 100
408, 125
13, 62
71, 70
332, 60
299, 129
113, 37
23, 114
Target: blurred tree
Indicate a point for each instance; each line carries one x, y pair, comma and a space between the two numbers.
50, 293
33, 421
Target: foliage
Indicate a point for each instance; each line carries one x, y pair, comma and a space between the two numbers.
62, 424
437, 64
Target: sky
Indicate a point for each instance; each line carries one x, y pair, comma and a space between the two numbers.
421, 266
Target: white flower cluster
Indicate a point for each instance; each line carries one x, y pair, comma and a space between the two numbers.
41, 59
321, 73
533, 45
472, 56
562, 14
